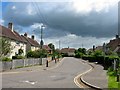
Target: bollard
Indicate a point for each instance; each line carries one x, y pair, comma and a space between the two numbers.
55, 60
47, 63
118, 77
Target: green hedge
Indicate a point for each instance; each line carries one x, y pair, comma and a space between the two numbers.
6, 59
18, 57
106, 61
36, 54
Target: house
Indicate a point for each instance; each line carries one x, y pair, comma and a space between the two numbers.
114, 45
16, 41
47, 48
68, 51
32, 44
99, 48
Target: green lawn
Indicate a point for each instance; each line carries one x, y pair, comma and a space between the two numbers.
112, 81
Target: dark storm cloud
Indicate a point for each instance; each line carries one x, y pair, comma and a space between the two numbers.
61, 16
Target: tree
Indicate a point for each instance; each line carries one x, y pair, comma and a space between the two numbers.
53, 50
51, 46
82, 50
5, 46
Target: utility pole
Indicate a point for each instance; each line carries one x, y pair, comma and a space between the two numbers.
41, 43
59, 51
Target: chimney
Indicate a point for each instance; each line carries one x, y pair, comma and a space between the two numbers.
10, 26
25, 34
117, 36
32, 37
93, 47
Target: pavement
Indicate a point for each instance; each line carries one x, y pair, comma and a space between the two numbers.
97, 77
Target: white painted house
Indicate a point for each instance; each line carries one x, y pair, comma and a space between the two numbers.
17, 42
32, 44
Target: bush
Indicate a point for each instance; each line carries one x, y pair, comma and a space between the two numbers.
18, 57
36, 54
78, 55
6, 59
64, 55
30, 54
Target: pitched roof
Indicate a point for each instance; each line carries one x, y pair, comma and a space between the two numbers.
8, 33
113, 44
31, 41
46, 47
66, 50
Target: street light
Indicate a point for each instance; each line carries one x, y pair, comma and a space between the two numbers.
41, 42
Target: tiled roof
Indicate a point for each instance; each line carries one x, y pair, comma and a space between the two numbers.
31, 41
113, 44
46, 47
66, 50
8, 33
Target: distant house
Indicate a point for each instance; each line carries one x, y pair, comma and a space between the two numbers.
47, 48
17, 42
32, 44
68, 51
99, 48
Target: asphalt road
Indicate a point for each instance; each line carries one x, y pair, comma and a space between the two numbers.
60, 77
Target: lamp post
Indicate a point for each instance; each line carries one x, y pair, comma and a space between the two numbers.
41, 43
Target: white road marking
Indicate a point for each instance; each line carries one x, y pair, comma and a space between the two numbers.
30, 82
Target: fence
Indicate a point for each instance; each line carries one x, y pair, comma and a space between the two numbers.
20, 63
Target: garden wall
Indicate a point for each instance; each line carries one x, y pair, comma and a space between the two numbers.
17, 63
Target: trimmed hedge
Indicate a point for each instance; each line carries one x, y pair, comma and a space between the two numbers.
105, 61
18, 57
6, 59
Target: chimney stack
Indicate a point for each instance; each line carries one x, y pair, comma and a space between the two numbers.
10, 26
32, 37
93, 47
25, 34
117, 36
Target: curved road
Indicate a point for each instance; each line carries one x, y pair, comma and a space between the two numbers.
60, 77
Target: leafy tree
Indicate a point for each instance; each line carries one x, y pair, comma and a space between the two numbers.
82, 50
53, 50
51, 46
5, 46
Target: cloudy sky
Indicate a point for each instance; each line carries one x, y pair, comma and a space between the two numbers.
76, 23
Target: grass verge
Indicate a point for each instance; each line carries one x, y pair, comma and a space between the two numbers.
112, 80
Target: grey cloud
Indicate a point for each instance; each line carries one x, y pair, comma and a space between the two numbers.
61, 18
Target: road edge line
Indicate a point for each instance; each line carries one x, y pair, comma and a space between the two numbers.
78, 76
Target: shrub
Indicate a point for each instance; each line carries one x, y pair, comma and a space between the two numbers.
36, 54
30, 54
78, 55
6, 59
18, 57
64, 55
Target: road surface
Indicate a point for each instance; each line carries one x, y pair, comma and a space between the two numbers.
60, 77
